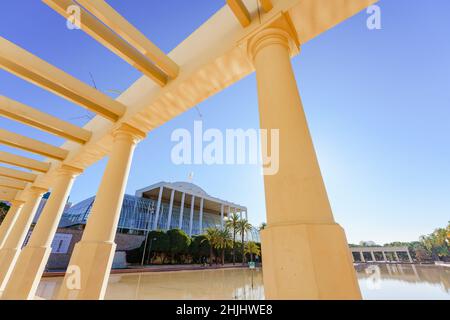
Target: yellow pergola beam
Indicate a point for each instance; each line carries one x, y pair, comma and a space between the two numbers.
17, 174
24, 162
240, 11
8, 194
21, 142
35, 70
110, 17
20, 112
266, 5
110, 40
12, 183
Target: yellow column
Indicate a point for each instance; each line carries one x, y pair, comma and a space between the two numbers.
305, 252
13, 243
10, 219
90, 264
33, 258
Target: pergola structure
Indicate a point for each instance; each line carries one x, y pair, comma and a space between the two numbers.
242, 37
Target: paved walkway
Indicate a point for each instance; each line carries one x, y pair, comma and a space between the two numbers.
159, 268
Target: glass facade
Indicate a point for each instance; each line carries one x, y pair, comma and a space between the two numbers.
138, 214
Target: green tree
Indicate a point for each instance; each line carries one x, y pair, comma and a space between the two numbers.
4, 208
157, 245
199, 247
262, 226
243, 227
178, 243
211, 235
232, 224
223, 242
252, 249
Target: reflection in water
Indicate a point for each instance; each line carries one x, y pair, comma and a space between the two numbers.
201, 284
376, 282
408, 281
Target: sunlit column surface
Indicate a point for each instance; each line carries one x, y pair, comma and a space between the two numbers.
191, 215
169, 219
221, 216
158, 208
180, 221
362, 256
33, 258
201, 216
384, 256
92, 257
373, 256
13, 243
305, 252
9, 220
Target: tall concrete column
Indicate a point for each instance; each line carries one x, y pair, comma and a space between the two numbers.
362, 256
319, 266
92, 257
373, 256
158, 208
9, 220
229, 212
384, 256
191, 216
33, 258
201, 216
221, 216
169, 218
13, 243
180, 220
409, 256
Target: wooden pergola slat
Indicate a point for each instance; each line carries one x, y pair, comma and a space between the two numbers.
110, 40
12, 183
240, 11
33, 69
31, 145
17, 174
110, 17
24, 162
20, 112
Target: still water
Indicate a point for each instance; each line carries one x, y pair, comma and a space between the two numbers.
376, 282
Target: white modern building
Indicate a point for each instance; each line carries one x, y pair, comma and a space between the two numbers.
164, 206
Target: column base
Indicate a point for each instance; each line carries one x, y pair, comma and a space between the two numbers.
88, 272
27, 273
8, 258
307, 261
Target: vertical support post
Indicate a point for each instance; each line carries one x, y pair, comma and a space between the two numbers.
169, 219
362, 256
13, 243
409, 256
158, 208
33, 258
384, 256
191, 216
396, 256
180, 220
319, 266
92, 257
373, 256
229, 212
9, 220
221, 215
201, 216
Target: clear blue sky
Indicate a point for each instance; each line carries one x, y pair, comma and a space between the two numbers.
378, 105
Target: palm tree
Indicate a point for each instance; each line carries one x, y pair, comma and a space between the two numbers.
223, 242
232, 224
252, 248
262, 226
243, 227
211, 236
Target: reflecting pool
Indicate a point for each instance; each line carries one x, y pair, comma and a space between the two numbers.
376, 282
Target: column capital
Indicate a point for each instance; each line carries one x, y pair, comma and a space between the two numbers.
37, 191
16, 202
126, 131
69, 170
280, 30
